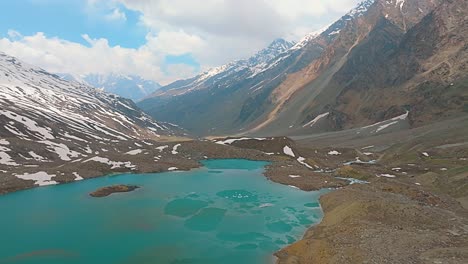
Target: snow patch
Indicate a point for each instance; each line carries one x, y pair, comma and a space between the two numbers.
41, 178
6, 159
386, 175
288, 151
232, 140
77, 176
61, 150
36, 156
174, 149
334, 153
114, 164
30, 124
134, 152
161, 148
301, 160
316, 119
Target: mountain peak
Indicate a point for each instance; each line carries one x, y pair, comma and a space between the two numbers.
361, 8
280, 43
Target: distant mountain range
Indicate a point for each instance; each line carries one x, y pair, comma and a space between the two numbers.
382, 59
128, 86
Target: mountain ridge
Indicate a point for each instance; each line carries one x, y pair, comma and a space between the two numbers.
128, 86
308, 80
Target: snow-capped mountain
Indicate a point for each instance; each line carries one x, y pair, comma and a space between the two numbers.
50, 126
236, 70
238, 86
128, 86
313, 76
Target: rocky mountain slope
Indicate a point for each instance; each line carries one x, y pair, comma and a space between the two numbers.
127, 86
46, 121
387, 54
226, 97
337, 79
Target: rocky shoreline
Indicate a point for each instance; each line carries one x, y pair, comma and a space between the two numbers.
396, 217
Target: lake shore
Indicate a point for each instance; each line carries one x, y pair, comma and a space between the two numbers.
398, 217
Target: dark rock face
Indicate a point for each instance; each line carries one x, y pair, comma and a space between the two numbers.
106, 191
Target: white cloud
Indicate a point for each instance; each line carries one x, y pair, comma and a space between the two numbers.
212, 31
174, 42
61, 56
234, 29
13, 34
116, 15
182, 70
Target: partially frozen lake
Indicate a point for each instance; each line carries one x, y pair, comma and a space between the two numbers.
225, 212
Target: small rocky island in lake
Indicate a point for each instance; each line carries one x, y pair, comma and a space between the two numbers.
106, 191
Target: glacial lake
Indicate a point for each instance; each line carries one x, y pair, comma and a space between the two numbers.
224, 212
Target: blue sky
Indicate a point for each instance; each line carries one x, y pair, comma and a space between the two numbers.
156, 39
69, 19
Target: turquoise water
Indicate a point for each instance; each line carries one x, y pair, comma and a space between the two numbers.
225, 212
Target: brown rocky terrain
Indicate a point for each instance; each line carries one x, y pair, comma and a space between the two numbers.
411, 206
413, 59
106, 191
382, 59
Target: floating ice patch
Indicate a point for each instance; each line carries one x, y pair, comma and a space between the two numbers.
134, 152
288, 151
334, 152
174, 149
41, 178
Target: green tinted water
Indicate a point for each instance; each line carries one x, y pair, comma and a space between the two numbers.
225, 212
